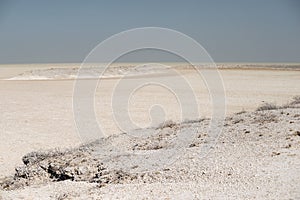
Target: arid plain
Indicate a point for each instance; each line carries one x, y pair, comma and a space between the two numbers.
37, 115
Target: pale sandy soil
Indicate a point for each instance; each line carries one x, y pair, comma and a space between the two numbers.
256, 157
37, 115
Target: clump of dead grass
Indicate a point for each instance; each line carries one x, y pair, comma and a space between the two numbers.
267, 106
295, 103
167, 124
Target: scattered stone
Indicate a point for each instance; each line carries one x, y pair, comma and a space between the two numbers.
275, 153
288, 146
236, 121
192, 145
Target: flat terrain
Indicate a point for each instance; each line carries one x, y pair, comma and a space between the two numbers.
38, 115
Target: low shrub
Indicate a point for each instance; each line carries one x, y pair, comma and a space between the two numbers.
267, 106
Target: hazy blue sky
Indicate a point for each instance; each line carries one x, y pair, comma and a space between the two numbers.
36, 31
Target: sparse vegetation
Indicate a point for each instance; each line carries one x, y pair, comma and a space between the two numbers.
267, 106
191, 121
62, 196
167, 124
295, 103
296, 99
241, 112
265, 118
36, 156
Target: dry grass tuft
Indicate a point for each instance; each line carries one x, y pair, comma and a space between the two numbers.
267, 106
167, 124
241, 112
265, 118
296, 100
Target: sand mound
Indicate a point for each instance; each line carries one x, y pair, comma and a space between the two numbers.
88, 72
95, 71
106, 161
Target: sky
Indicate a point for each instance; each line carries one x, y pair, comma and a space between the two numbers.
62, 31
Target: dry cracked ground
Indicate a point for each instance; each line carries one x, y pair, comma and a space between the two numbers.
257, 156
